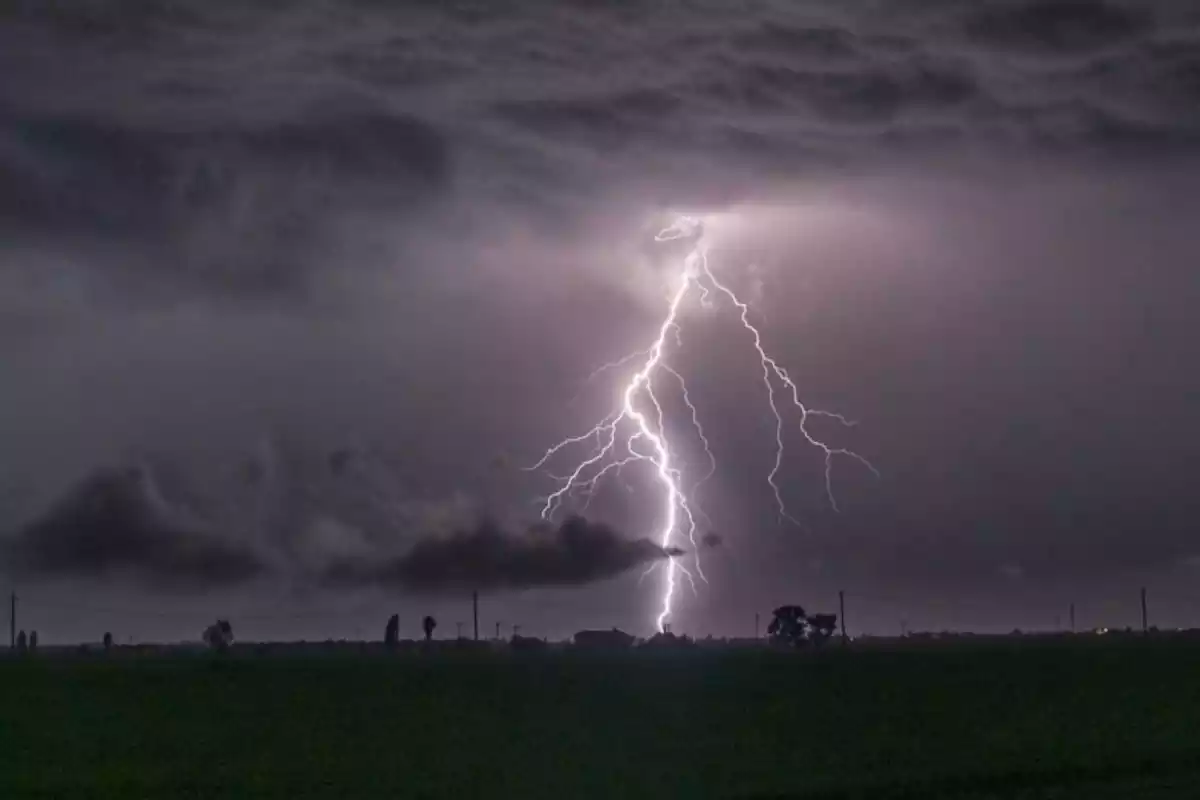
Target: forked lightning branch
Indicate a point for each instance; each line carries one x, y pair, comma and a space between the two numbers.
634, 433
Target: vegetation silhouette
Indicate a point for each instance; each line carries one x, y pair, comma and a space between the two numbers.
791, 626
427, 625
391, 633
219, 635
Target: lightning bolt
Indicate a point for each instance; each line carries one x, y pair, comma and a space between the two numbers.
640, 415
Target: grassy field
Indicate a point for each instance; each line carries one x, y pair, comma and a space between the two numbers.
1095, 719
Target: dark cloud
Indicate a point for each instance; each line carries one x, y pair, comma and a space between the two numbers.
71, 172
1057, 26
490, 558
791, 40
711, 540
868, 94
228, 206
605, 120
114, 524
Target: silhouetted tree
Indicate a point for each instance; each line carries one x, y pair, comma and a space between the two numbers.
821, 627
107, 641
391, 634
788, 626
428, 624
219, 635
33, 640
791, 626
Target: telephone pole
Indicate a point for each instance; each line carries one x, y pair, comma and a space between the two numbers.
1145, 629
842, 613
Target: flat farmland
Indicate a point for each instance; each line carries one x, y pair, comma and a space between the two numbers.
1072, 718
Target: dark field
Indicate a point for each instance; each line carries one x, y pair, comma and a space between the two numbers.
1068, 719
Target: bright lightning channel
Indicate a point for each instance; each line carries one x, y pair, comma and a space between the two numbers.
647, 439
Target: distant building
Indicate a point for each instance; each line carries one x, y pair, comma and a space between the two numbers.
604, 640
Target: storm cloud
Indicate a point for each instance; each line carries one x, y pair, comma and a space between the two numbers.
115, 524
412, 231
491, 558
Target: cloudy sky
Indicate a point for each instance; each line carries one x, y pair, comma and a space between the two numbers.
287, 287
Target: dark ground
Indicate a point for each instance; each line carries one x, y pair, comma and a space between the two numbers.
1087, 719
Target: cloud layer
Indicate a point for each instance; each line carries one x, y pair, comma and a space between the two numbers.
489, 558
116, 525
234, 173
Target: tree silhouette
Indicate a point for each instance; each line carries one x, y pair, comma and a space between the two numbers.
821, 627
219, 635
428, 624
788, 626
33, 640
791, 626
107, 641
391, 634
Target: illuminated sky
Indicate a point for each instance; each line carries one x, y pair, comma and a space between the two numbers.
333, 273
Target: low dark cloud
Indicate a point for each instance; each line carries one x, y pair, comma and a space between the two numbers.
115, 524
489, 558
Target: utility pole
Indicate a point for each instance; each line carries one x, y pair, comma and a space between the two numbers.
1072, 617
842, 613
12, 622
1145, 629
475, 612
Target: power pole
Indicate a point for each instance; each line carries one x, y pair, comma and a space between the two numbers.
1072, 617
475, 612
842, 613
1145, 629
12, 622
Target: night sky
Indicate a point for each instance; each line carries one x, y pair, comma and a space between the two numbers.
289, 290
